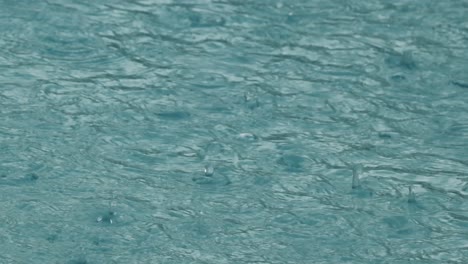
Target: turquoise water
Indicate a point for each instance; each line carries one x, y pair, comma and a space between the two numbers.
233, 131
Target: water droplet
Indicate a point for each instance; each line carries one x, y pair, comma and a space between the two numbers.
357, 171
209, 170
247, 136
107, 218
411, 195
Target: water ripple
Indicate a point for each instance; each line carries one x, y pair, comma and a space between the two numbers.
218, 131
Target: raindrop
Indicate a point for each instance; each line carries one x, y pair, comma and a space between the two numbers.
357, 171
110, 214
411, 195
209, 170
107, 218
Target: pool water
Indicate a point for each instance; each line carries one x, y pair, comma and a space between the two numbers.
233, 131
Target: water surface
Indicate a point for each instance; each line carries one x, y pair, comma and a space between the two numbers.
228, 131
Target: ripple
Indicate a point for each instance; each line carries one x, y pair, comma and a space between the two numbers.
174, 115
76, 48
234, 127
206, 80
460, 84
209, 179
403, 60
206, 19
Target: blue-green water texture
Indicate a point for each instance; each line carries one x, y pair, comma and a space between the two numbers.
233, 131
